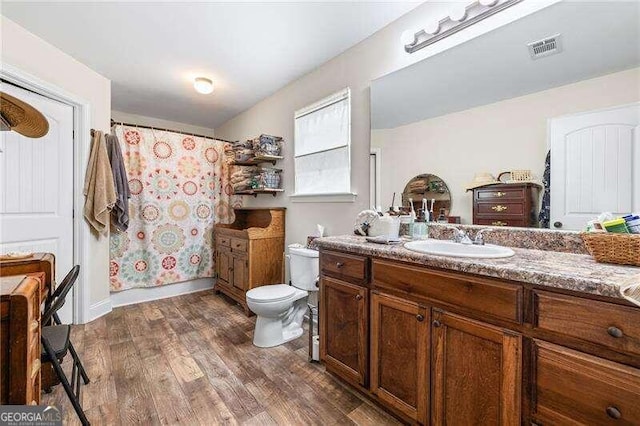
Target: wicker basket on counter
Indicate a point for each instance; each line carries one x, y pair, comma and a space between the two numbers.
621, 249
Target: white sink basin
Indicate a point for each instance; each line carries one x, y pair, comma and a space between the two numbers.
452, 249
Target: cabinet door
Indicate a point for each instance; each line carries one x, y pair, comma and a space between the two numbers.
477, 372
400, 355
570, 387
240, 272
223, 265
344, 328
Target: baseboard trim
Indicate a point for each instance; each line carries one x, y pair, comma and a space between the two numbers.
99, 309
141, 295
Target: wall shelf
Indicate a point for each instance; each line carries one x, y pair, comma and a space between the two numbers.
255, 192
259, 160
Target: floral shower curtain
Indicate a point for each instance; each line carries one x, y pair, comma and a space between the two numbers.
179, 189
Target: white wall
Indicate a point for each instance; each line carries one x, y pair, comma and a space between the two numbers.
125, 117
505, 135
34, 56
376, 56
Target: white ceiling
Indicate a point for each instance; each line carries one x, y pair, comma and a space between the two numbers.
599, 37
151, 50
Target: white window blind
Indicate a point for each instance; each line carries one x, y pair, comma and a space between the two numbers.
322, 146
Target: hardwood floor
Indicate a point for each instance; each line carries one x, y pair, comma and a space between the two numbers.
189, 360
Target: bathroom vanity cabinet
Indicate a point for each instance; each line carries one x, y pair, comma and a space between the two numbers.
439, 347
249, 252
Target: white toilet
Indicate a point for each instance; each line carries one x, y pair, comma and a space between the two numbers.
280, 308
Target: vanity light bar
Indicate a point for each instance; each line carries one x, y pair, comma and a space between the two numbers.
461, 18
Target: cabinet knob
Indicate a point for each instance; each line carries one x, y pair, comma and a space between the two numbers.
358, 297
557, 224
613, 412
420, 317
615, 332
339, 264
437, 323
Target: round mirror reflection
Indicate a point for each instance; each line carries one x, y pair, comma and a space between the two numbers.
430, 187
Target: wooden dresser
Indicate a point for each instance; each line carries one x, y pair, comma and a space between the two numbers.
249, 252
20, 339
39, 262
506, 205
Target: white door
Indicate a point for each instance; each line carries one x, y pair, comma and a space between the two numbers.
595, 165
36, 203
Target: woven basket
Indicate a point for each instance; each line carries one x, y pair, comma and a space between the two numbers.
622, 249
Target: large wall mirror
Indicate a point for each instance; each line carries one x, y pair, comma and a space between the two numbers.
492, 105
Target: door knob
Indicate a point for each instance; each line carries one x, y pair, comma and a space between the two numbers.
613, 412
615, 332
557, 224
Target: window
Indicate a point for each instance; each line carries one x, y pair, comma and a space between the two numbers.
322, 146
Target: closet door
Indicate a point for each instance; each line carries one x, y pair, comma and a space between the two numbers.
595, 165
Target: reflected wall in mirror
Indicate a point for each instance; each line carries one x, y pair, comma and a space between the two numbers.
431, 188
488, 105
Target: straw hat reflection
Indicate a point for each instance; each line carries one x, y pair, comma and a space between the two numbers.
482, 179
21, 117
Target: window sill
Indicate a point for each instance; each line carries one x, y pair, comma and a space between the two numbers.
340, 197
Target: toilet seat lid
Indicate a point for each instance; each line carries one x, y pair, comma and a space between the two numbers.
271, 293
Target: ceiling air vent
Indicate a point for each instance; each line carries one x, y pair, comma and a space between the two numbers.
545, 47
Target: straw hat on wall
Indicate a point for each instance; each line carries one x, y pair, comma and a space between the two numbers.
21, 117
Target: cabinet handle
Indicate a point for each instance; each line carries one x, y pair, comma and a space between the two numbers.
339, 264
500, 194
615, 332
613, 412
437, 323
420, 317
499, 208
358, 297
499, 223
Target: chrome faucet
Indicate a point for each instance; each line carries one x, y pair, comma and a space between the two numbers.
461, 236
479, 238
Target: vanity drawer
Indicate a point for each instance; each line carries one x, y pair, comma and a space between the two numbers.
239, 245
500, 209
500, 194
570, 387
491, 297
607, 324
223, 241
346, 267
500, 222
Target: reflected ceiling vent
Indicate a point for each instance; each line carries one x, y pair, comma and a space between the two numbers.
545, 47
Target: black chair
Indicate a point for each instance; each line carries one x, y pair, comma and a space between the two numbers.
56, 343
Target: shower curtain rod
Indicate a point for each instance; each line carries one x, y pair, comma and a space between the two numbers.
113, 122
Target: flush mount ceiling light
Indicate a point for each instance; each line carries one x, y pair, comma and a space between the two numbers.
203, 85
460, 17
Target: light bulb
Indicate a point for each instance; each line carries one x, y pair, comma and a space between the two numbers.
408, 37
459, 13
432, 27
203, 85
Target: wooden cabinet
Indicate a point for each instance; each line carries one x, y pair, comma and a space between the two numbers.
441, 347
506, 205
249, 252
400, 355
344, 343
477, 372
570, 387
20, 339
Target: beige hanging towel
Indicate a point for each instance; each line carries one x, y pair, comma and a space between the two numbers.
99, 189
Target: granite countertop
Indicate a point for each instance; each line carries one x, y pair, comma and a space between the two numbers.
567, 271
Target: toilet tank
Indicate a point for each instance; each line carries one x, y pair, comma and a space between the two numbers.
304, 268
